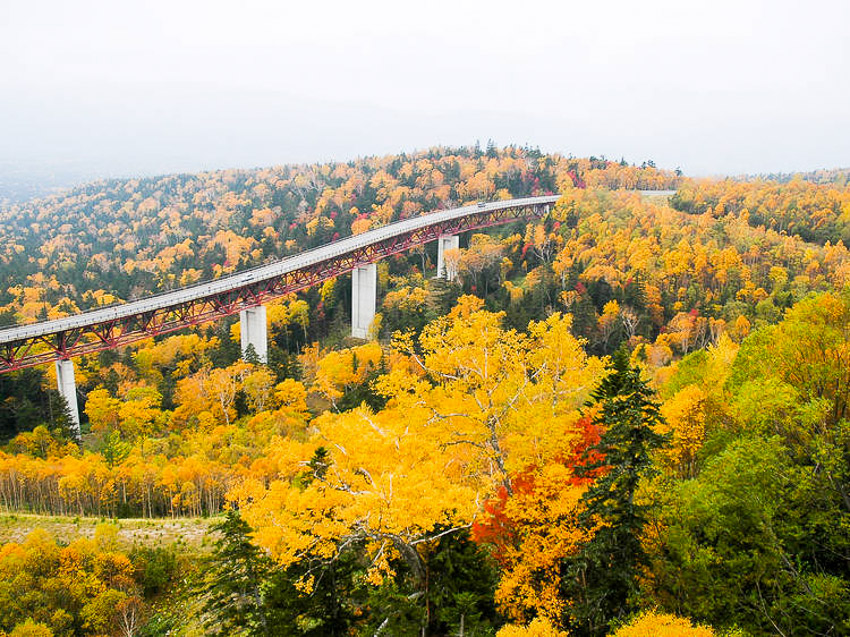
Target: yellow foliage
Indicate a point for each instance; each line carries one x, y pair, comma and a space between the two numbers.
684, 416
339, 370
139, 414
405, 299
30, 628
106, 536
379, 469
207, 396
359, 226
258, 386
654, 624
102, 410
540, 627
452, 429
291, 395
741, 327
170, 350
81, 582
547, 531
612, 308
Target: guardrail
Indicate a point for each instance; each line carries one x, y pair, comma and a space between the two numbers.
37, 343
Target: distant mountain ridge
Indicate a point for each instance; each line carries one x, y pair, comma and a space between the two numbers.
836, 176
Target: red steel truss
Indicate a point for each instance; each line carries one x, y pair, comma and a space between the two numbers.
88, 339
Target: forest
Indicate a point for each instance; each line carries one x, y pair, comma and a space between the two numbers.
628, 418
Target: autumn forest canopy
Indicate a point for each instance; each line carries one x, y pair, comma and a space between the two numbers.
630, 417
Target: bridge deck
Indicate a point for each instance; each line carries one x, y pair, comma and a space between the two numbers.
116, 325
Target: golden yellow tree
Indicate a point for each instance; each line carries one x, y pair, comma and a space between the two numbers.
655, 624
684, 416
470, 406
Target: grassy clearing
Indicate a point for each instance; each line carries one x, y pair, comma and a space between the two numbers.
189, 532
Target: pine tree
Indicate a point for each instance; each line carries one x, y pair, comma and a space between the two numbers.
601, 579
250, 355
62, 424
333, 606
452, 596
233, 601
442, 295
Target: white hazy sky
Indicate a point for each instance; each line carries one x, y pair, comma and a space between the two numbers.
152, 86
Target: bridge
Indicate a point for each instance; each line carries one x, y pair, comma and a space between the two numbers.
60, 340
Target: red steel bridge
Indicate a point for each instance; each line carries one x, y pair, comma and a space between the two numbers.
106, 328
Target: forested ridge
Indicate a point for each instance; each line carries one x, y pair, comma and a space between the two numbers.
123, 239
627, 418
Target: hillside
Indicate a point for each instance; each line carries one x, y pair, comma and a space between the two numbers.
633, 411
727, 256
122, 239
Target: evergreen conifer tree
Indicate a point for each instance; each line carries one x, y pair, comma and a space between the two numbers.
250, 355
600, 580
233, 603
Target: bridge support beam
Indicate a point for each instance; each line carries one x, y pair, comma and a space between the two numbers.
364, 284
68, 390
252, 325
446, 242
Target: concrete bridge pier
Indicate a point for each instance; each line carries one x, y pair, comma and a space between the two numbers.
68, 390
364, 284
446, 242
252, 325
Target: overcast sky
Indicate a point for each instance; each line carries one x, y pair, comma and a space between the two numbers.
719, 86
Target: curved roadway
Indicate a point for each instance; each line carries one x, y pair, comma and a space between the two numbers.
261, 273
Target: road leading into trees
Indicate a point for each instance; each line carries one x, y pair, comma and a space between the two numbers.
106, 328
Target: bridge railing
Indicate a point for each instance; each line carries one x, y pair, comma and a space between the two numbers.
114, 326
